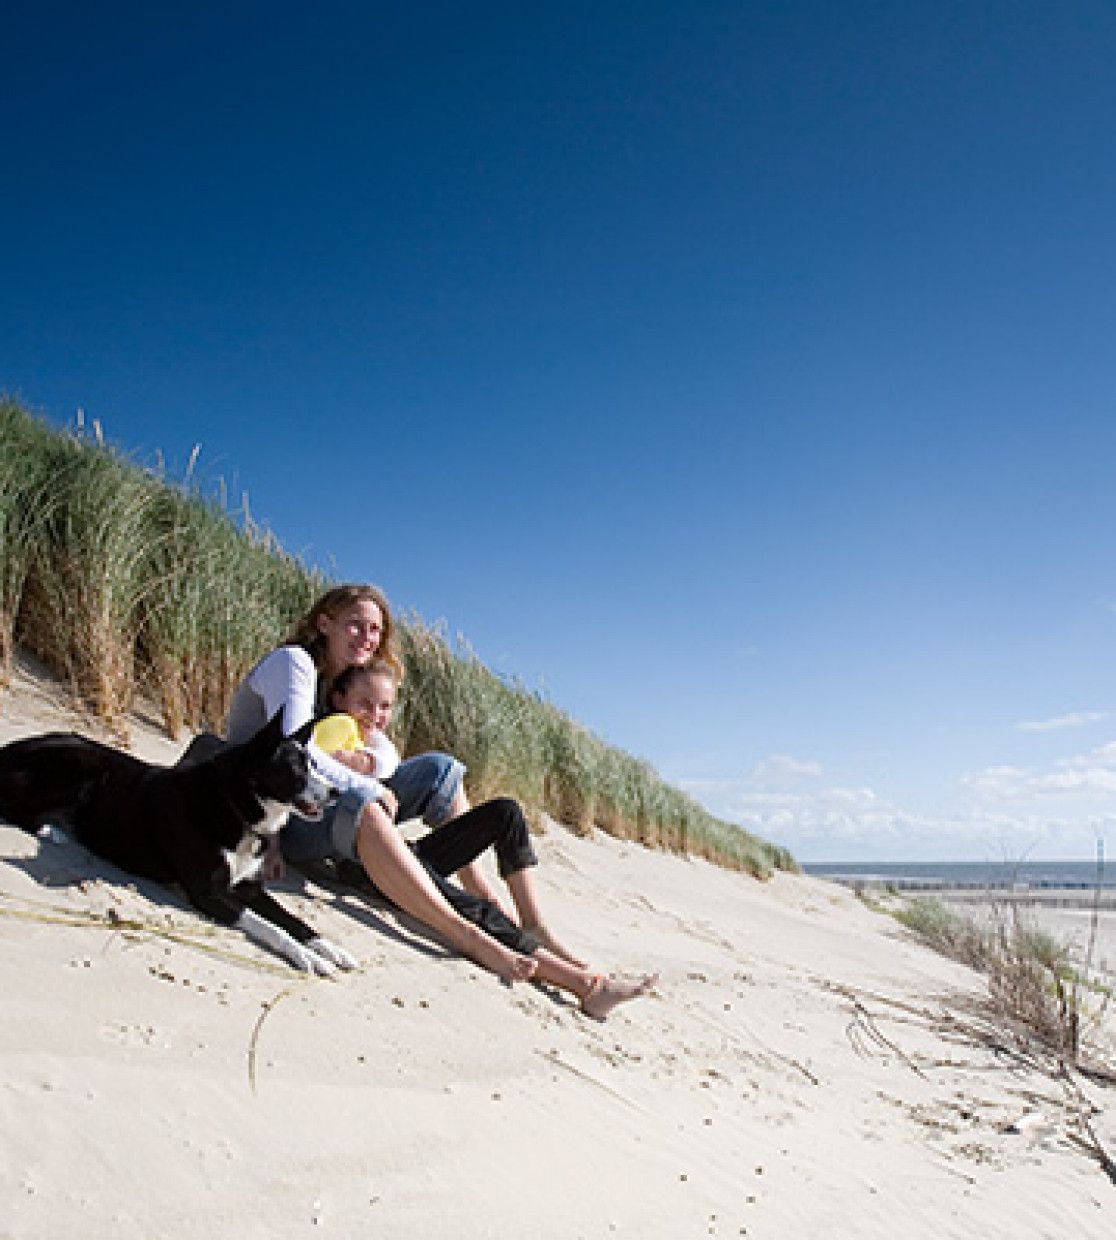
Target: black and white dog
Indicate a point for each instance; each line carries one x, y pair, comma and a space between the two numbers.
203, 824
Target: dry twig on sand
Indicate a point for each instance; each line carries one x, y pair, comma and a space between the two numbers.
253, 1041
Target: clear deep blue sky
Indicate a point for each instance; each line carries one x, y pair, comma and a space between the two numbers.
740, 374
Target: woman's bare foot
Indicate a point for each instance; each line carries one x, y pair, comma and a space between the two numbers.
607, 992
542, 933
509, 966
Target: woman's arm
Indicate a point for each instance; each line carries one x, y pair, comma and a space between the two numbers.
359, 760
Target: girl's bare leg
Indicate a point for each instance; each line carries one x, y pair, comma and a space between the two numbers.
400, 876
459, 805
526, 909
597, 993
473, 878
524, 892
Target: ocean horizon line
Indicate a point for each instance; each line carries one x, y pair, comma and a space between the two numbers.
946, 874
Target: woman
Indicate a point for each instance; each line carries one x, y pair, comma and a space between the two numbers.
348, 626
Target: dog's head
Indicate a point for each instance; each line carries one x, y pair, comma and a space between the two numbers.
280, 771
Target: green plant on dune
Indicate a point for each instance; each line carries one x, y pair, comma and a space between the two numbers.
85, 574
1031, 978
25, 502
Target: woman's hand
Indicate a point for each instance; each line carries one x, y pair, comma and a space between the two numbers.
359, 760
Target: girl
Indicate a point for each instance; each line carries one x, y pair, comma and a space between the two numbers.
364, 698
347, 627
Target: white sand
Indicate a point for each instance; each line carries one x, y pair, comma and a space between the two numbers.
803, 1069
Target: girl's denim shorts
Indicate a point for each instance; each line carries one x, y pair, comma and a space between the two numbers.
425, 785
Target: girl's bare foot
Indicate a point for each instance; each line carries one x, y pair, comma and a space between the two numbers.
542, 933
605, 993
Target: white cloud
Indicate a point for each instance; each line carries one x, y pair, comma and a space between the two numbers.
821, 822
1103, 755
1090, 780
782, 768
996, 783
1087, 774
1076, 719
1006, 812
850, 823
1006, 783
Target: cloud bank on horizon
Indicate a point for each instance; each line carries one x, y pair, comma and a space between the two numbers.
1060, 809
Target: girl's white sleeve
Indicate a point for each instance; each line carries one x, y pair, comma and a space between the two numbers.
384, 754
287, 680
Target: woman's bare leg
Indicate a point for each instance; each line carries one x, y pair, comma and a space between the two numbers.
597, 994
524, 892
401, 877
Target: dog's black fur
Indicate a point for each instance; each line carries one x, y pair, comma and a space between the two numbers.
203, 823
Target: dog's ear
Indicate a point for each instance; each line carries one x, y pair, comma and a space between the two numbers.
302, 735
267, 739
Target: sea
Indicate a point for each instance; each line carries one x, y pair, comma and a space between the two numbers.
930, 875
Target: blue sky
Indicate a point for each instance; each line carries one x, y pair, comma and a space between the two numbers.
739, 374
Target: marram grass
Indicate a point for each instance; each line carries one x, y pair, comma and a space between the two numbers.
1031, 979
127, 584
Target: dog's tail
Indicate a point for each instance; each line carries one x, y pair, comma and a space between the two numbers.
44, 779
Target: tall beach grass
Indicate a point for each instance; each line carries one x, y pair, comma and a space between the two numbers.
127, 583
1033, 982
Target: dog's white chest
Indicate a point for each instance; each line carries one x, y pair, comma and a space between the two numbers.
246, 861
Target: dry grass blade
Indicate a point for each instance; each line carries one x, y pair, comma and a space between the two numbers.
1090, 1142
864, 1024
200, 937
253, 1041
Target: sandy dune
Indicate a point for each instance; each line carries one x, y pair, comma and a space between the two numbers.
802, 1069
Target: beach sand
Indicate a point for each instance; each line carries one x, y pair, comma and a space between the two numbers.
802, 1068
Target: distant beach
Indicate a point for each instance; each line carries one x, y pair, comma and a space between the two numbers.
1058, 897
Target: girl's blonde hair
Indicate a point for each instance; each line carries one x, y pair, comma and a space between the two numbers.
307, 634
343, 682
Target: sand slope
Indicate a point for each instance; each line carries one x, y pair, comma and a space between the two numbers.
802, 1069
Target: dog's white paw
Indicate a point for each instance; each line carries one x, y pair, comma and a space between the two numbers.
269, 935
335, 955
310, 962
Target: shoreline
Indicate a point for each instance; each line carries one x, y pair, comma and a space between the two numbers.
1054, 896
1074, 917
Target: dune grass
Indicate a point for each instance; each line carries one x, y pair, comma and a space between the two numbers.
1031, 977
126, 584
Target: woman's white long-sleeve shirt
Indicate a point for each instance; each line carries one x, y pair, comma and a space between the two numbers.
286, 680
